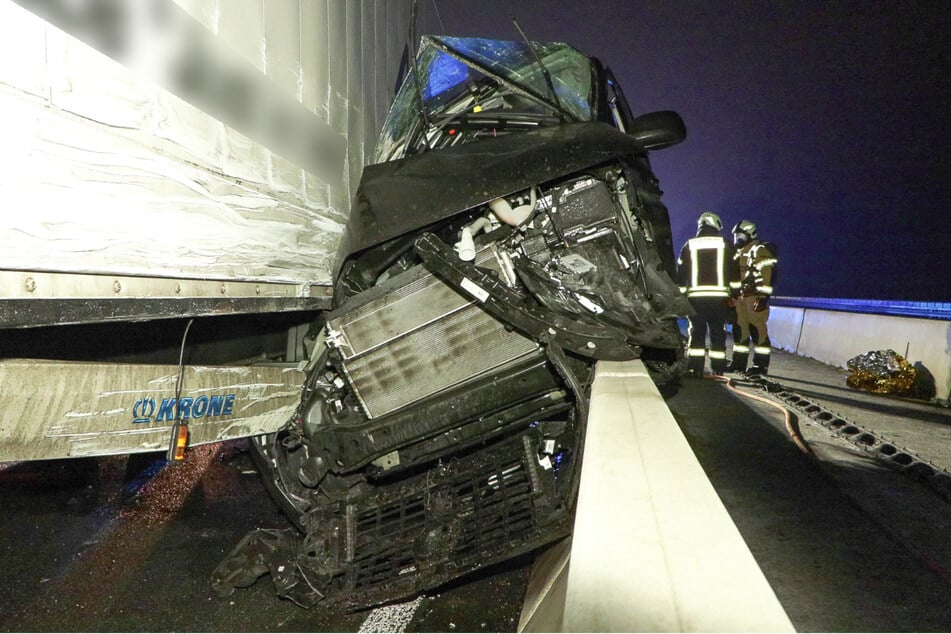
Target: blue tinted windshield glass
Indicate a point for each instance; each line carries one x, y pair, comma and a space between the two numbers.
479, 77
569, 69
445, 72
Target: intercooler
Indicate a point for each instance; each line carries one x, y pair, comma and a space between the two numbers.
415, 337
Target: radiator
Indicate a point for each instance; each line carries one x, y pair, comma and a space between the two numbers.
419, 338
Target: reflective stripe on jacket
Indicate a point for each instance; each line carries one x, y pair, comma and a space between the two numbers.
706, 266
757, 267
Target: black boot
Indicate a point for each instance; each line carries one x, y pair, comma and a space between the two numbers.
740, 359
761, 356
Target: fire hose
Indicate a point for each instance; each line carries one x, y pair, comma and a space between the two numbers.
791, 420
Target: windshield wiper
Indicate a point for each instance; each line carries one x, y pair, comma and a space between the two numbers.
551, 87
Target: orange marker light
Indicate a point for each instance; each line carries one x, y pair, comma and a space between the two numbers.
179, 442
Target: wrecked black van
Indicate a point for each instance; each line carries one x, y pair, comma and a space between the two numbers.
509, 235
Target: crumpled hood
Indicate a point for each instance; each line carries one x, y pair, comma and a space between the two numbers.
405, 195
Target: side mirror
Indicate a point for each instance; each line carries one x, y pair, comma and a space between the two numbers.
658, 130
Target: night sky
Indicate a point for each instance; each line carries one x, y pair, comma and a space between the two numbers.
826, 123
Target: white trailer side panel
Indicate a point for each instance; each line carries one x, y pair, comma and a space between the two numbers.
108, 167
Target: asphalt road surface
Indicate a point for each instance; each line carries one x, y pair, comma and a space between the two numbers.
81, 551
106, 545
847, 543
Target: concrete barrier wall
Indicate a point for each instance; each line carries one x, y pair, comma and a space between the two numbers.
785, 327
670, 558
835, 337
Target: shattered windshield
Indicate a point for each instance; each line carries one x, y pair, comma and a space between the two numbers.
488, 86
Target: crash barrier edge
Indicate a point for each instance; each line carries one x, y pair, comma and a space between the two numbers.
835, 336
899, 308
653, 547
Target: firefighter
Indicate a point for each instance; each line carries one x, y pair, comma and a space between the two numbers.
756, 263
705, 268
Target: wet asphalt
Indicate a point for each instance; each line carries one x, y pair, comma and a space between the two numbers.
78, 552
847, 543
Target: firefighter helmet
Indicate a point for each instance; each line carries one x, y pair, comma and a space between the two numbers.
743, 232
709, 219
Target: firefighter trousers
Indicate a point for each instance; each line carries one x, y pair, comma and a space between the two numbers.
712, 314
750, 334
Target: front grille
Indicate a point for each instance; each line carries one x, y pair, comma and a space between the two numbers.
416, 534
383, 541
495, 510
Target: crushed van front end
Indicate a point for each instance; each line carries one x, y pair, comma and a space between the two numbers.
507, 241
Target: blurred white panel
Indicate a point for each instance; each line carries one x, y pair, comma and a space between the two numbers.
315, 68
285, 178
20, 125
337, 58
356, 112
23, 51
243, 158
105, 203
110, 170
382, 79
241, 26
87, 83
204, 11
314, 56
340, 198
282, 37
121, 177
193, 136
282, 29
368, 102
338, 104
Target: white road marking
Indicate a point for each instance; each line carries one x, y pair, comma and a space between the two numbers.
391, 618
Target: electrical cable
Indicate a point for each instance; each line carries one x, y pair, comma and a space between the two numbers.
181, 369
173, 449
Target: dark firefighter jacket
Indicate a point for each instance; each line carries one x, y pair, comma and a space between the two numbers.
707, 267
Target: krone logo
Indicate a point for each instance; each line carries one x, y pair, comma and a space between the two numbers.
146, 411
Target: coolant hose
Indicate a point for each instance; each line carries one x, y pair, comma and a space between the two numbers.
466, 245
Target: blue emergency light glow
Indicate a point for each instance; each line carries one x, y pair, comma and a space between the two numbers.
444, 73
